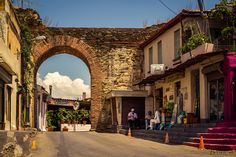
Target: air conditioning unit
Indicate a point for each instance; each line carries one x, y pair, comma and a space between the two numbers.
157, 68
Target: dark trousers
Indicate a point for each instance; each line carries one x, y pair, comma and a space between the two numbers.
134, 123
131, 123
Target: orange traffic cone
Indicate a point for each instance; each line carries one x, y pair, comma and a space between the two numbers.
167, 138
201, 144
129, 133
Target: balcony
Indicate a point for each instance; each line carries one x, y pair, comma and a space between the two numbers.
202, 49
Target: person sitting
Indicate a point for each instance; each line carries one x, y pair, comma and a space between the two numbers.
155, 121
132, 119
148, 118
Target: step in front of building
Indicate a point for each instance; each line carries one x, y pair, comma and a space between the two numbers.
178, 134
222, 147
222, 137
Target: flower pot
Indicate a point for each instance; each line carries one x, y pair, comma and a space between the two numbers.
50, 129
65, 129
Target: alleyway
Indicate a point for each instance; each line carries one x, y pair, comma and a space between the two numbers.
92, 144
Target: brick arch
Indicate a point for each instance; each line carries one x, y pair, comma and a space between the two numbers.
74, 46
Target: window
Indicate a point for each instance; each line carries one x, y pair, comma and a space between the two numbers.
159, 52
150, 57
176, 43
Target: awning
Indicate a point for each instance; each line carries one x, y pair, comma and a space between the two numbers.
126, 93
181, 67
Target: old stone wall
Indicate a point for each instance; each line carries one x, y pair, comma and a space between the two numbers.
113, 56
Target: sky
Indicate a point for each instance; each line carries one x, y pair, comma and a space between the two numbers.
97, 13
110, 13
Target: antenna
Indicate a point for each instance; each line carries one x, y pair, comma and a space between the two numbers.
201, 5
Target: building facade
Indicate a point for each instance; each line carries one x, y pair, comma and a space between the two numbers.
194, 79
10, 68
41, 108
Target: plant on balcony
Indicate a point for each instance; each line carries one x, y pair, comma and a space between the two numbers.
225, 11
193, 42
228, 32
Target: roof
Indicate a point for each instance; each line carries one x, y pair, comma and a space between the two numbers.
184, 13
180, 67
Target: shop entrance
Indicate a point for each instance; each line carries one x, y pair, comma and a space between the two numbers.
216, 93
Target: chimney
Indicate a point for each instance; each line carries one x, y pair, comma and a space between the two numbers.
84, 96
50, 90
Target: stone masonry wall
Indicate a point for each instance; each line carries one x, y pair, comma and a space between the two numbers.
112, 55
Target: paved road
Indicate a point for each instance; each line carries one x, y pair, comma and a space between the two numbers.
92, 144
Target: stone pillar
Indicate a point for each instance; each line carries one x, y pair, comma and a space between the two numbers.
203, 97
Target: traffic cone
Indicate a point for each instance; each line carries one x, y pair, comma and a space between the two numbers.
129, 133
167, 138
33, 147
201, 144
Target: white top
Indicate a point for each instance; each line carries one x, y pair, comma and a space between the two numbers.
157, 116
132, 116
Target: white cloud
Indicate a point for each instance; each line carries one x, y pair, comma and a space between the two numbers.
63, 86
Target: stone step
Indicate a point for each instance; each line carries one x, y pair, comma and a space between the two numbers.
217, 135
223, 147
222, 130
196, 130
215, 140
226, 124
196, 125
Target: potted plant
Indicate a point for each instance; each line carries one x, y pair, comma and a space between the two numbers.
65, 128
85, 114
169, 108
50, 118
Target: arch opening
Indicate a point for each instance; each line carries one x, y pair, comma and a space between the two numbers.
72, 46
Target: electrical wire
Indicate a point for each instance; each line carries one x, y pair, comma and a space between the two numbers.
167, 7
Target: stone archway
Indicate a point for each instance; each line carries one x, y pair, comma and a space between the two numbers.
74, 46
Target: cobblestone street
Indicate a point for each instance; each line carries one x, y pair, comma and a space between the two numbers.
92, 144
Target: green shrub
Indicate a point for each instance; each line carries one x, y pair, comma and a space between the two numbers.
193, 42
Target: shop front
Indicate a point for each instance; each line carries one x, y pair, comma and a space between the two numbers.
215, 91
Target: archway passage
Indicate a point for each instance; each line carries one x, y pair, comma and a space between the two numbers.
70, 45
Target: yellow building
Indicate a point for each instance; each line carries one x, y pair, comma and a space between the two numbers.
186, 78
10, 67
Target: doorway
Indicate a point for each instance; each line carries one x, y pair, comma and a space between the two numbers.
216, 93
